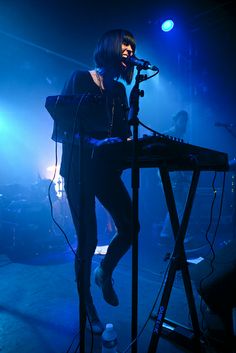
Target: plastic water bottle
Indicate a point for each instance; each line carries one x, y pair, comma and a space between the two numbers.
109, 339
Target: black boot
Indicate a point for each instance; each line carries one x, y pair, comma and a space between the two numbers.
93, 322
104, 281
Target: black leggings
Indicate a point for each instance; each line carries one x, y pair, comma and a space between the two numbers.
110, 190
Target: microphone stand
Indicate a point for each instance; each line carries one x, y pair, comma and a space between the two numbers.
81, 282
134, 121
82, 245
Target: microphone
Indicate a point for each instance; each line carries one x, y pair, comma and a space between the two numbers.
143, 64
218, 124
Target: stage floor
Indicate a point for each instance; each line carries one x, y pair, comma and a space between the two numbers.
39, 304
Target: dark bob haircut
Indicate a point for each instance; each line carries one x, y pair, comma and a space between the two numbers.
107, 54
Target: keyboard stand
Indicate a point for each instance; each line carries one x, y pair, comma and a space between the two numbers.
178, 262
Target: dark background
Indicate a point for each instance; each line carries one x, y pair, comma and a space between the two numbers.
41, 43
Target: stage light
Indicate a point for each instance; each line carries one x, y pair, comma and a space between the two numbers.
167, 25
52, 168
52, 171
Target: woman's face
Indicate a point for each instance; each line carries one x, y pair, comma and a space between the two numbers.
126, 50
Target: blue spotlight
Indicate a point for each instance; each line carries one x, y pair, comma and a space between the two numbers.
167, 25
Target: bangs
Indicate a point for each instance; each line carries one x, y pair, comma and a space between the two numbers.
108, 51
128, 39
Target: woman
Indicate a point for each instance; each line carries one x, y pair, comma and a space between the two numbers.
103, 121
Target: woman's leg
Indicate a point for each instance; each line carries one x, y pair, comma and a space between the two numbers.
86, 235
87, 242
115, 198
112, 193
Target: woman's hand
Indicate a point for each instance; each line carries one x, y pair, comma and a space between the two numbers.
107, 141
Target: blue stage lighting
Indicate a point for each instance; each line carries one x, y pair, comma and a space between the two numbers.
167, 25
